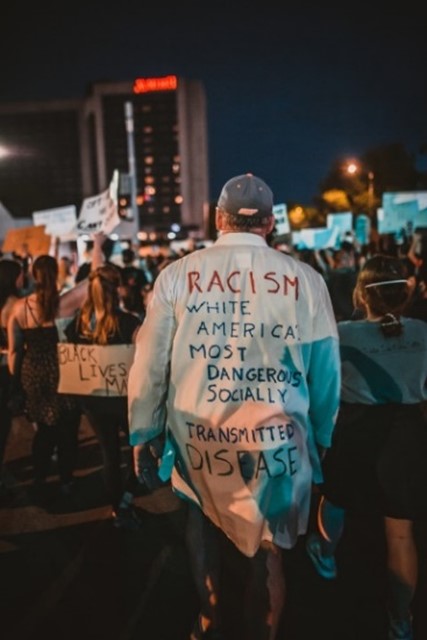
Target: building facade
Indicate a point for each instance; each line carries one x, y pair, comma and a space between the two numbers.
153, 131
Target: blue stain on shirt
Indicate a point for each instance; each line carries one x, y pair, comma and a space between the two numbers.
381, 384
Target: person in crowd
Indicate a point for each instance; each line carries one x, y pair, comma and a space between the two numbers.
86, 266
32, 358
101, 321
227, 367
133, 282
11, 283
341, 279
65, 274
417, 258
24, 256
376, 464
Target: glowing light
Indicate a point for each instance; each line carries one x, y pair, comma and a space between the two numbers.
147, 85
4, 152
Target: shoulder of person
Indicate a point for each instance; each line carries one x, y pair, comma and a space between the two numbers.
17, 308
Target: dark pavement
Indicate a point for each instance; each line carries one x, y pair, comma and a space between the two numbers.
68, 574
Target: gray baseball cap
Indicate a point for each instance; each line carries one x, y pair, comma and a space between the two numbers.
246, 195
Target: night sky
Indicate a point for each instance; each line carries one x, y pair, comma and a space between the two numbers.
289, 91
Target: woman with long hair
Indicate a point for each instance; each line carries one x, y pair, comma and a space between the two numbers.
376, 464
11, 283
33, 338
101, 321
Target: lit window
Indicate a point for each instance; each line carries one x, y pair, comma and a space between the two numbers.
179, 200
166, 209
148, 159
175, 168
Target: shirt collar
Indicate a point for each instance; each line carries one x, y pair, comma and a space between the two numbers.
234, 237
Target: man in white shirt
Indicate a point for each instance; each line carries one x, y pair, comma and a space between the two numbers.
237, 367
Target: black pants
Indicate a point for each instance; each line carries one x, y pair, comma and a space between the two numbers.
108, 421
63, 436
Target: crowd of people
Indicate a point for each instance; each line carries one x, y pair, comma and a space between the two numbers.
227, 395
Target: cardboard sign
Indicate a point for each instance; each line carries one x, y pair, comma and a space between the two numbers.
405, 210
318, 238
281, 219
100, 213
60, 222
94, 370
34, 239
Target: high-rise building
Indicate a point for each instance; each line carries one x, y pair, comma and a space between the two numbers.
152, 130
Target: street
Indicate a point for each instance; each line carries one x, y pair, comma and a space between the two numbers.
68, 574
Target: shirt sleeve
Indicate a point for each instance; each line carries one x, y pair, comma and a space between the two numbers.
149, 374
324, 374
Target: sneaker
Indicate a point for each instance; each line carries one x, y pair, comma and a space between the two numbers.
325, 566
400, 629
127, 518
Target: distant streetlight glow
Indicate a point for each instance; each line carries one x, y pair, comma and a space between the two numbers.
4, 152
353, 168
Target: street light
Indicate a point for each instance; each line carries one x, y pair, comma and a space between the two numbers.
353, 168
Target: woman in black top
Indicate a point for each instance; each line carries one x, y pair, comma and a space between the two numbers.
32, 356
11, 282
101, 321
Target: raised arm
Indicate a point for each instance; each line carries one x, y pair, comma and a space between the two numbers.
72, 299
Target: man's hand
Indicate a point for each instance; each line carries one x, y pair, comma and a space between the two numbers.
146, 466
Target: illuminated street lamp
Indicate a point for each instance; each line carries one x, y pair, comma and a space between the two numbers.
353, 168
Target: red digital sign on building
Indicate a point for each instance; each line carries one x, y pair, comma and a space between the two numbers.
145, 85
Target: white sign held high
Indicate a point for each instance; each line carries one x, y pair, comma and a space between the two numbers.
60, 222
100, 213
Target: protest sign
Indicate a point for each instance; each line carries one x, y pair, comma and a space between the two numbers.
281, 219
100, 212
315, 238
94, 370
31, 239
405, 210
343, 221
362, 229
59, 222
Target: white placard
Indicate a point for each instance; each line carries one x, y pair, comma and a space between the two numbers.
94, 370
100, 213
60, 222
281, 219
